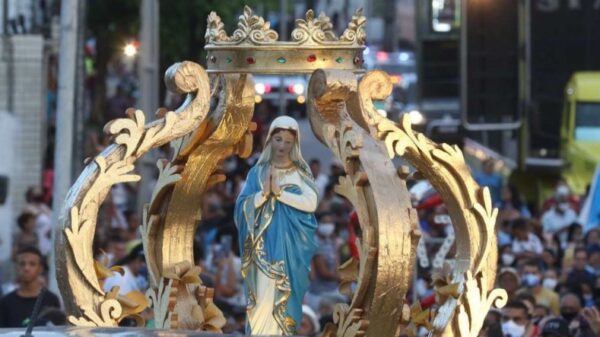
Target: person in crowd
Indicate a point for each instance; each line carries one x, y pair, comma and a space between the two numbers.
570, 311
517, 321
321, 179
551, 279
27, 236
511, 204
507, 258
540, 312
532, 282
549, 259
489, 178
43, 222
310, 322
117, 250
556, 327
592, 237
133, 225
562, 192
558, 218
132, 265
509, 280
579, 274
16, 307
325, 262
594, 259
503, 232
336, 170
525, 244
529, 301
592, 318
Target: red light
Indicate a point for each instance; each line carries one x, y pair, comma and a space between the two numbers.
267, 88
396, 79
382, 56
291, 88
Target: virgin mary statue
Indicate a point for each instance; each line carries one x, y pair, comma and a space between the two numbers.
276, 224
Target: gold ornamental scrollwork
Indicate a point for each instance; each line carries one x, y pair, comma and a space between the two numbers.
179, 299
381, 200
470, 208
85, 301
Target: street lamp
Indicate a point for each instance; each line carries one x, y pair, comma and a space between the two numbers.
130, 49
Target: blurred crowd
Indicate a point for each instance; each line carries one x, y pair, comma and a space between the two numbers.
548, 265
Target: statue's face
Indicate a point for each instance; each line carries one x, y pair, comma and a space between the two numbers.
282, 143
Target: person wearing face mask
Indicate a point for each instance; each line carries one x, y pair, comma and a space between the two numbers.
507, 258
325, 263
532, 283
570, 310
516, 321
559, 217
550, 279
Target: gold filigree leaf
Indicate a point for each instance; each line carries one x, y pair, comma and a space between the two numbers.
348, 274
191, 277
148, 226
487, 216
133, 302
326, 27
159, 300
214, 318
115, 174
197, 314
348, 321
449, 290
215, 30
84, 322
497, 297
463, 323
157, 133
420, 317
355, 33
78, 235
168, 175
254, 28
396, 140
128, 131
102, 272
110, 310
313, 31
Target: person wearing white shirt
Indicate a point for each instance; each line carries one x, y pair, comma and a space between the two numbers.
557, 220
525, 243
130, 280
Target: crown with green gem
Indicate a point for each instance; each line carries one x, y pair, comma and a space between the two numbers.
254, 47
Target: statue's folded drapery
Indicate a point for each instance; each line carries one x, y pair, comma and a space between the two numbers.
276, 235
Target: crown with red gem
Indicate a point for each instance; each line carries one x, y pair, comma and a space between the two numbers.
254, 47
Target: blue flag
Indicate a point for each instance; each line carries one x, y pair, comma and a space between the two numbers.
590, 213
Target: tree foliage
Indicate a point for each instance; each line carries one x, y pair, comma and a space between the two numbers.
181, 32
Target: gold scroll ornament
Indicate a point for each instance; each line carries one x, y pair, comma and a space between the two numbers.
170, 219
79, 276
465, 293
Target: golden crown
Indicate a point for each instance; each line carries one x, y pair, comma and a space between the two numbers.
254, 47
